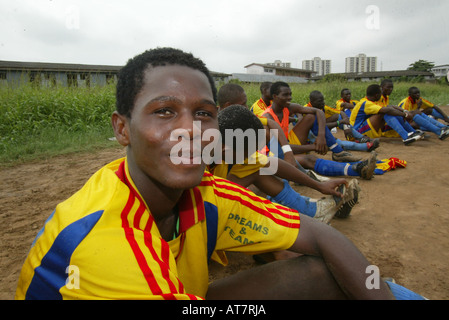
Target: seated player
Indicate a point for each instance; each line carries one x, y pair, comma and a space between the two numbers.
275, 185
231, 94
370, 118
312, 120
346, 104
418, 109
264, 102
339, 119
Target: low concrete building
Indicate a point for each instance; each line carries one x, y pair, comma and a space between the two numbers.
16, 73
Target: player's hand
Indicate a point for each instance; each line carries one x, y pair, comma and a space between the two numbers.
320, 145
330, 187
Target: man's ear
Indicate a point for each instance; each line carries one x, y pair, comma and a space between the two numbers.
120, 126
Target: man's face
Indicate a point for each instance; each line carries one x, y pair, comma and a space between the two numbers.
172, 98
346, 95
415, 95
284, 97
387, 89
318, 102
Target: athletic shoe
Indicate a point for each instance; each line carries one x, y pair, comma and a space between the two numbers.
412, 137
326, 207
444, 134
373, 145
344, 156
315, 176
346, 208
422, 134
364, 139
366, 168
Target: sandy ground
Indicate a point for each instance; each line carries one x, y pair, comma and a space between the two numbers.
400, 224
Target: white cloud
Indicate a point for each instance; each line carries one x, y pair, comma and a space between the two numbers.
227, 35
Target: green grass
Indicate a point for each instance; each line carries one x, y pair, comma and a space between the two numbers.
37, 123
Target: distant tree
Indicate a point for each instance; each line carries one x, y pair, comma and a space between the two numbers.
331, 77
421, 65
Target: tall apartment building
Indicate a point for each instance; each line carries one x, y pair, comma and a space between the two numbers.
321, 67
279, 63
361, 63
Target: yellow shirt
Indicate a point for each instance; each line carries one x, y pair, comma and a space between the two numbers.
259, 107
411, 105
103, 243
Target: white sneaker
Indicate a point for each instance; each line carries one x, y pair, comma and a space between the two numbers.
412, 137
326, 208
316, 176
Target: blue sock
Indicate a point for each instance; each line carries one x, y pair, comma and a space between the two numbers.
397, 123
330, 139
435, 122
331, 168
357, 135
426, 125
436, 114
402, 293
292, 199
352, 145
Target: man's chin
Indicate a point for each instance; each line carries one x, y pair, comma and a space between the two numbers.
186, 177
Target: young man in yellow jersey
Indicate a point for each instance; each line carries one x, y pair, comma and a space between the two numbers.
420, 113
346, 104
144, 227
264, 102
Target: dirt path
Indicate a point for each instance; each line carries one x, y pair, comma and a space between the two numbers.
401, 222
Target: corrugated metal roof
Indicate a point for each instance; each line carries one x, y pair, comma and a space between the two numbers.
68, 67
47, 66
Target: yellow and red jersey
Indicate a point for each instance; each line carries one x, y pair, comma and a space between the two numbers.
107, 232
411, 105
259, 107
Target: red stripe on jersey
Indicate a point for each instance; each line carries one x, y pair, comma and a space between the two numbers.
267, 213
190, 212
129, 233
140, 257
164, 266
280, 210
201, 213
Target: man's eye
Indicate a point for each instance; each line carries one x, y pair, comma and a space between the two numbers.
164, 112
204, 114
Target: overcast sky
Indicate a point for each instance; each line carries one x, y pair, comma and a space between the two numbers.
226, 34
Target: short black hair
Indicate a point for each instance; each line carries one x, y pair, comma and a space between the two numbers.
228, 93
372, 90
343, 90
314, 94
412, 89
276, 87
265, 85
385, 81
238, 117
131, 76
